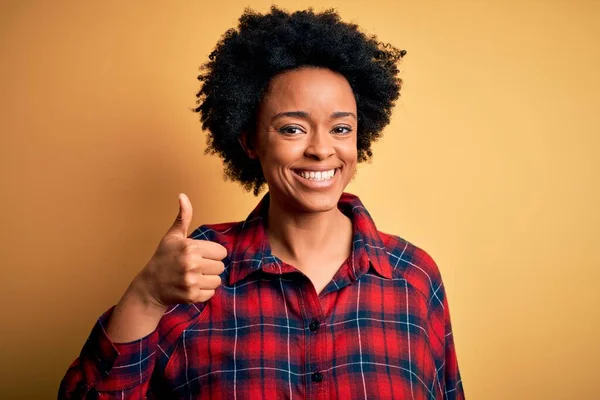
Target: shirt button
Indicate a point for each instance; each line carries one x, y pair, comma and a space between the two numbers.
314, 325
317, 377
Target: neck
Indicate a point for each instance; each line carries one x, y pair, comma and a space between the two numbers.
307, 240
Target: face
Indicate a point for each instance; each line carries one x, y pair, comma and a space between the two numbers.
306, 138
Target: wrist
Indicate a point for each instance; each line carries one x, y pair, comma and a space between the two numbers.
135, 316
139, 293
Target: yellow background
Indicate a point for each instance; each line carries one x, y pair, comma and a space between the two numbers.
490, 164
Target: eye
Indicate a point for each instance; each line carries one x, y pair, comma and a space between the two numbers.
342, 130
291, 130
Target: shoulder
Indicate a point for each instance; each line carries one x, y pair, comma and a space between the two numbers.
225, 233
216, 231
412, 263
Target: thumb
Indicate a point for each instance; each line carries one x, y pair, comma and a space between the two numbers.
184, 218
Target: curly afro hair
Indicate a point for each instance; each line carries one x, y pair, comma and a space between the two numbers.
245, 60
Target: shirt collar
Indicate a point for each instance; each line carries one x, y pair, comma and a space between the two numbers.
252, 251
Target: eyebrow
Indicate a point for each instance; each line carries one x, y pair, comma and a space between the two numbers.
304, 114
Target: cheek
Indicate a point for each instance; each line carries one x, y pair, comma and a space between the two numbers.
349, 152
282, 152
277, 155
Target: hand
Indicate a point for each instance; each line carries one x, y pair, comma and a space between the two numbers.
182, 270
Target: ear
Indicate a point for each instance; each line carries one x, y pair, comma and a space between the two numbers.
248, 145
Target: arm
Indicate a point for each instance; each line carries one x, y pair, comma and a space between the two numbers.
118, 357
453, 388
109, 370
448, 380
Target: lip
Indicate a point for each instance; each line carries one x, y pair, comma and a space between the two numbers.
313, 169
312, 184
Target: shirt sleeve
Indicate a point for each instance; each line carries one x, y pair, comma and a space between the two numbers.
449, 382
107, 370
453, 388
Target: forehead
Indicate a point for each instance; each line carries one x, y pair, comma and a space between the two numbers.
309, 89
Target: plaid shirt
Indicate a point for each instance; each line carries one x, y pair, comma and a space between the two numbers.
379, 330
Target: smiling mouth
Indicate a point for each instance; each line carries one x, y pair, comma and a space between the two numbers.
317, 175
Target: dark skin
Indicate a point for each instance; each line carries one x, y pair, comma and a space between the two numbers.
307, 124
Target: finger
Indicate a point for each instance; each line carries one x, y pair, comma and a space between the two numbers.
192, 271
211, 267
194, 295
184, 217
207, 282
208, 250
204, 295
196, 264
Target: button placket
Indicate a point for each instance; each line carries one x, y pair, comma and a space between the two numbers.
316, 342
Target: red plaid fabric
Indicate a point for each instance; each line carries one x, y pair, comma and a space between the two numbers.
379, 330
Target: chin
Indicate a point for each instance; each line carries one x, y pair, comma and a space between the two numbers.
298, 196
318, 202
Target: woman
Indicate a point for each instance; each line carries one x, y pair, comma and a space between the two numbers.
305, 298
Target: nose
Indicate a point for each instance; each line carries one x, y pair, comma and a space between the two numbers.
320, 145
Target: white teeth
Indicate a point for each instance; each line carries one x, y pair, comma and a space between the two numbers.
317, 175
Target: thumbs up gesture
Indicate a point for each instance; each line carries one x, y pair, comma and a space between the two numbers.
183, 270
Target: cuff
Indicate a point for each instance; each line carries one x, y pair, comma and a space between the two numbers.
117, 366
